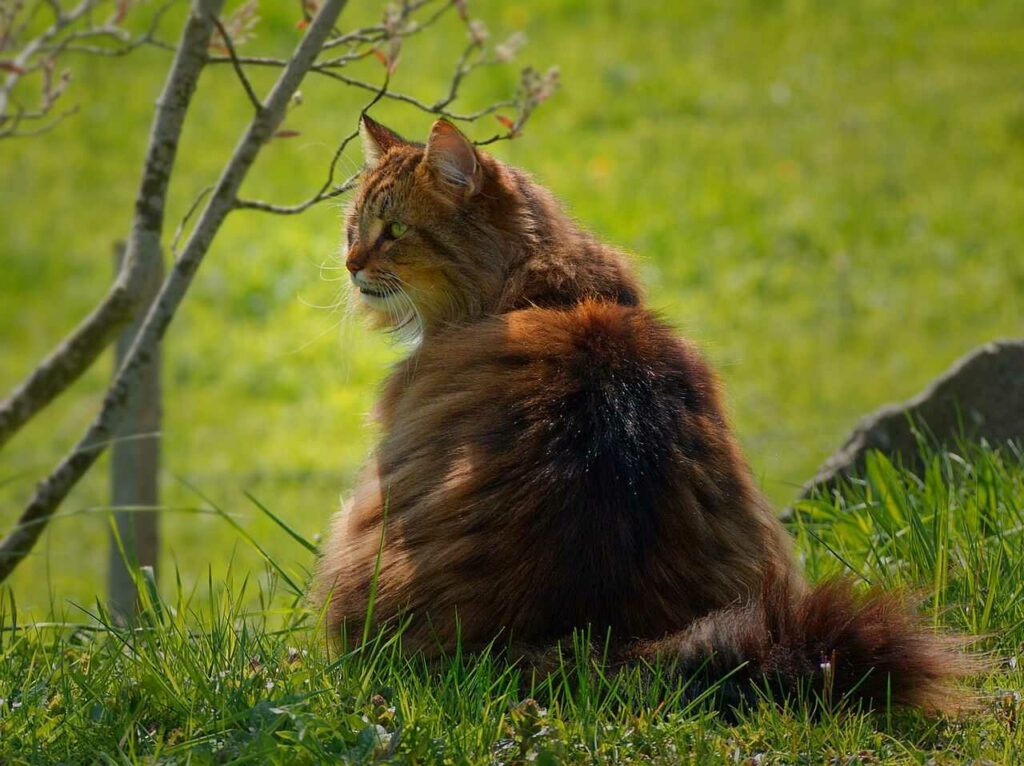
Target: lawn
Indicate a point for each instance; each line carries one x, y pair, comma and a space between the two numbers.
826, 197
214, 681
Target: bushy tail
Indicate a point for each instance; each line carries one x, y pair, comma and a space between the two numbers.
830, 644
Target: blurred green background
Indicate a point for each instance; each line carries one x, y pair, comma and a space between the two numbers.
827, 197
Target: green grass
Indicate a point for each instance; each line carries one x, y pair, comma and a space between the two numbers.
242, 677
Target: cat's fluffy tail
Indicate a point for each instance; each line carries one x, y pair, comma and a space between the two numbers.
830, 644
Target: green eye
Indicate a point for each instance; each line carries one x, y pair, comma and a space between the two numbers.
396, 229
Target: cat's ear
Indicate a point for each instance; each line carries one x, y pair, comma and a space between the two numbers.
376, 140
452, 158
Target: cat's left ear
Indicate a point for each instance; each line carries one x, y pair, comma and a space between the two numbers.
376, 140
454, 160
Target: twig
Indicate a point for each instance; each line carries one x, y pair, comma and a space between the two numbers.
68, 43
525, 102
437, 108
267, 207
230, 46
180, 229
378, 32
367, 36
11, 131
70, 32
21, 64
328, 190
462, 68
52, 490
534, 89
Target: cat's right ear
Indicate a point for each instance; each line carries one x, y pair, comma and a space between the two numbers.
453, 159
376, 140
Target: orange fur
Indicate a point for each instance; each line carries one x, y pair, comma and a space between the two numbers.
553, 456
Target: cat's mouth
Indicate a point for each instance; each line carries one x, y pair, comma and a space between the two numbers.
380, 294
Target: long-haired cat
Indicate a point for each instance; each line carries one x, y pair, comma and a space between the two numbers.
554, 457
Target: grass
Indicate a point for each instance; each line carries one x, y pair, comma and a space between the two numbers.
215, 680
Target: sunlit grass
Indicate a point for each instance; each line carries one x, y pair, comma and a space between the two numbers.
243, 676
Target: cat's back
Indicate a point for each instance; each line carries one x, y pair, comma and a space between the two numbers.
547, 467
589, 386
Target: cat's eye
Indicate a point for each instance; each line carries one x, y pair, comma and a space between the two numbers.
396, 229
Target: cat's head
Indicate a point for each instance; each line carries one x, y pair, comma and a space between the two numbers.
417, 233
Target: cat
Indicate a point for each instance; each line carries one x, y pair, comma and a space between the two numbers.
554, 457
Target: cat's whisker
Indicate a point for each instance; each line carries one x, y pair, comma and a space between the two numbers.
403, 316
342, 317
407, 292
338, 301
351, 302
394, 309
339, 278
408, 321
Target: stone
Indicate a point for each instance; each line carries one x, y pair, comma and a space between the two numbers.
980, 397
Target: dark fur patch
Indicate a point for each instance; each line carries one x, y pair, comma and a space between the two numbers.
832, 645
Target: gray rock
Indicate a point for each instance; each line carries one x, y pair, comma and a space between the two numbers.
980, 397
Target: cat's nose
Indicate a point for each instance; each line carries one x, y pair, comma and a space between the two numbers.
355, 261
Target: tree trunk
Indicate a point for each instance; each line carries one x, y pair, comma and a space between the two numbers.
134, 468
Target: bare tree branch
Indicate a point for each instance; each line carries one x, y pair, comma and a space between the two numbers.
52, 490
230, 47
79, 349
124, 42
324, 194
328, 190
438, 108
180, 228
397, 24
26, 61
534, 88
38, 130
77, 30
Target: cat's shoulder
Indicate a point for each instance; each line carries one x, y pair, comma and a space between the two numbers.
540, 354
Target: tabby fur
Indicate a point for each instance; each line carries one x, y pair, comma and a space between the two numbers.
553, 456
